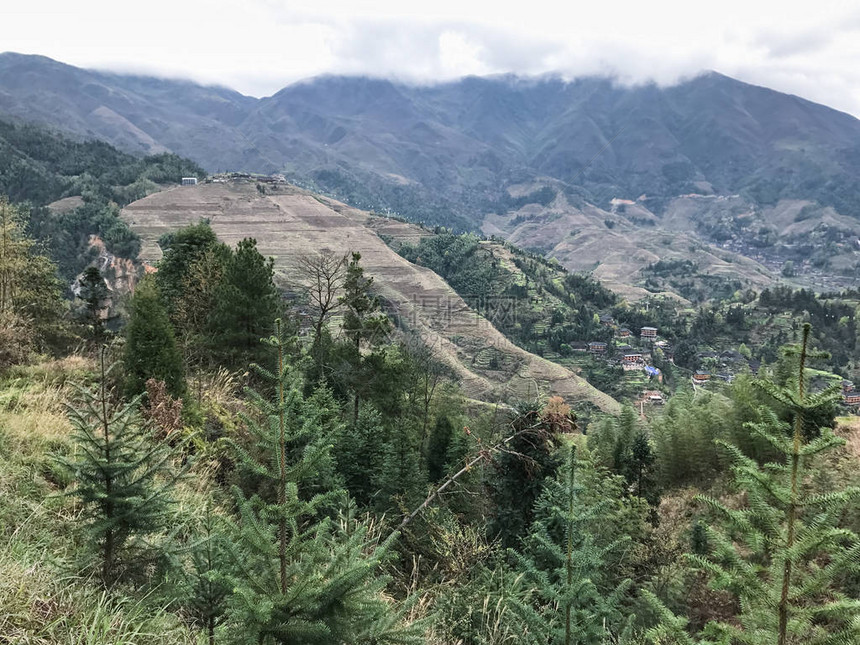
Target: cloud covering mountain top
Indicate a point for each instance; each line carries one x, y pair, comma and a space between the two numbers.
259, 46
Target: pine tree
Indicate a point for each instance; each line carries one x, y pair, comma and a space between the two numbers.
182, 249
93, 292
437, 448
571, 600
520, 472
122, 478
362, 322
246, 299
400, 480
302, 578
783, 554
206, 583
359, 452
31, 306
150, 349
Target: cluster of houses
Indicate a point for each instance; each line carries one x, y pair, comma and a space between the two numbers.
631, 359
244, 177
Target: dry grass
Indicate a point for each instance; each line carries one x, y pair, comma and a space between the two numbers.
849, 429
42, 601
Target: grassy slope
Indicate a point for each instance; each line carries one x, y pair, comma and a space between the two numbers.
42, 602
290, 223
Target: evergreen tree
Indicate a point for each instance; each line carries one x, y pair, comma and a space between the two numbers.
121, 477
245, 300
520, 472
782, 555
437, 448
194, 308
302, 578
359, 452
639, 467
93, 292
182, 249
401, 479
571, 600
362, 322
150, 349
205, 581
31, 306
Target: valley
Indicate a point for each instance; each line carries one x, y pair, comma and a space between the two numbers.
482, 361
734, 174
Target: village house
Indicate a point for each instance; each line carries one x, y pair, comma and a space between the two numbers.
579, 346
597, 347
189, 181
654, 397
701, 377
648, 333
623, 333
847, 386
632, 361
851, 398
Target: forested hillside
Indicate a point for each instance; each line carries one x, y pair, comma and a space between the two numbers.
39, 167
756, 175
312, 424
232, 469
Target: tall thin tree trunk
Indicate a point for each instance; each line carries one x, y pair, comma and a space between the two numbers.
569, 559
282, 457
792, 505
109, 546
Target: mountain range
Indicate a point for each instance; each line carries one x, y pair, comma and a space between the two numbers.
505, 154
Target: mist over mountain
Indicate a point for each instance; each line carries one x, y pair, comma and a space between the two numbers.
456, 146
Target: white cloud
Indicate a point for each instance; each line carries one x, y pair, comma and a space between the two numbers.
258, 46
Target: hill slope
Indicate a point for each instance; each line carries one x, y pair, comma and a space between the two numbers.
709, 133
289, 223
454, 153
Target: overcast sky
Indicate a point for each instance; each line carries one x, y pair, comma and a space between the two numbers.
810, 48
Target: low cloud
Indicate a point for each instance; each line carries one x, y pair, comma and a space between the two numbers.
789, 46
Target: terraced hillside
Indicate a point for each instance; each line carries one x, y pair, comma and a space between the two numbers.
618, 244
289, 223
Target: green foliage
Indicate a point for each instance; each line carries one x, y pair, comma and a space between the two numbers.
39, 166
93, 293
359, 452
459, 259
684, 437
401, 479
150, 348
362, 323
245, 300
301, 577
520, 473
31, 308
205, 584
784, 552
573, 597
441, 440
181, 250
121, 477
